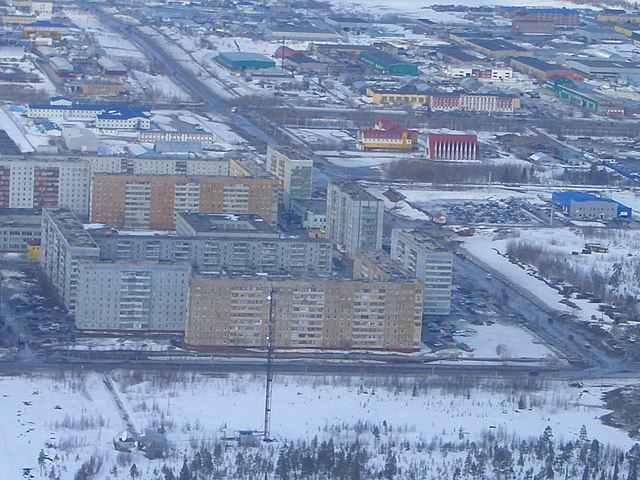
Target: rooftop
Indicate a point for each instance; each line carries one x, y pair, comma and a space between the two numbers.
384, 262
245, 57
203, 224
355, 191
71, 228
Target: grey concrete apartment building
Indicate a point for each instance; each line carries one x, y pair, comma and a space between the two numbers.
416, 252
132, 296
64, 244
216, 242
354, 217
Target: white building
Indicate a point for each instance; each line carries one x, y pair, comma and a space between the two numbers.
45, 183
490, 73
63, 244
132, 296
354, 217
416, 252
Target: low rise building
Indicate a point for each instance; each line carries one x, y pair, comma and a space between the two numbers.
312, 212
496, 48
406, 96
416, 252
388, 63
542, 70
493, 73
18, 227
245, 61
452, 147
525, 26
111, 68
386, 135
102, 116
585, 98
586, 206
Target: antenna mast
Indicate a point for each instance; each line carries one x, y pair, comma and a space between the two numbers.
270, 358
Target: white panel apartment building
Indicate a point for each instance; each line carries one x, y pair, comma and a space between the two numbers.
63, 244
354, 217
27, 183
430, 264
132, 296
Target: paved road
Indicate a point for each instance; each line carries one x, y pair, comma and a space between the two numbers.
212, 102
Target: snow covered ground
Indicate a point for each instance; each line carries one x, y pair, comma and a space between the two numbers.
71, 417
420, 8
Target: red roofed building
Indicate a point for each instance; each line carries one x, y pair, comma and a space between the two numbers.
287, 52
386, 135
452, 147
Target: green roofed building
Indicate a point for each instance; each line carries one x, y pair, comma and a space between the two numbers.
245, 61
388, 63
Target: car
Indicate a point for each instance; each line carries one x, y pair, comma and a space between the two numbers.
534, 373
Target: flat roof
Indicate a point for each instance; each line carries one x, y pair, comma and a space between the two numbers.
384, 262
71, 228
245, 57
217, 222
495, 44
355, 191
536, 63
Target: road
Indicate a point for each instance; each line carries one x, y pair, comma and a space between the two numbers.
566, 336
212, 103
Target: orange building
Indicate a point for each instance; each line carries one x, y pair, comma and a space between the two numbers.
151, 201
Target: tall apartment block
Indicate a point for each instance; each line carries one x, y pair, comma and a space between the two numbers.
64, 244
132, 296
432, 265
354, 217
294, 172
233, 311
151, 201
31, 183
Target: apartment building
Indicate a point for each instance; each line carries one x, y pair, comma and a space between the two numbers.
294, 172
132, 296
416, 252
212, 242
64, 243
231, 311
354, 217
37, 183
151, 201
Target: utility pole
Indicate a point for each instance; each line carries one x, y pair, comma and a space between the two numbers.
270, 357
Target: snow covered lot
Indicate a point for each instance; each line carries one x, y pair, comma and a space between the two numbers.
71, 417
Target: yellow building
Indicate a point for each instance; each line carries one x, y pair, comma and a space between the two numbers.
393, 97
619, 18
386, 135
624, 31
18, 19
33, 250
